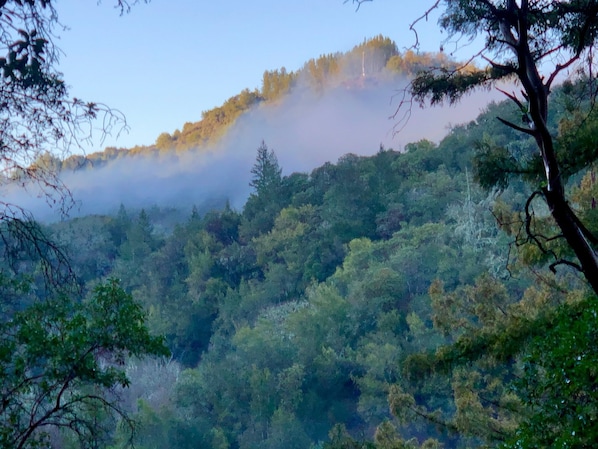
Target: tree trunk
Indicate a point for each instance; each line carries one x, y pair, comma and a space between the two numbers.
568, 222
554, 193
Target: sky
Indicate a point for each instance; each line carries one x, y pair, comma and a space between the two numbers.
165, 62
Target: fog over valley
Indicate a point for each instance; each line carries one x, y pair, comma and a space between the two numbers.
321, 261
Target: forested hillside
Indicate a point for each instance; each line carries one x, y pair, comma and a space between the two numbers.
310, 317
374, 61
438, 295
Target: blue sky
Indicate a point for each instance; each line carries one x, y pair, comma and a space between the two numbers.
167, 61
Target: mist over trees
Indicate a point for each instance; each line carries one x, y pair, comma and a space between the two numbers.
307, 127
420, 298
337, 306
376, 60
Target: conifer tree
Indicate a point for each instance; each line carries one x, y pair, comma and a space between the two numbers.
266, 172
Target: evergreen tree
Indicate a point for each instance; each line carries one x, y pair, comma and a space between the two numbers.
268, 199
266, 172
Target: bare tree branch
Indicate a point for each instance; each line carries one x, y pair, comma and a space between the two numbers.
424, 16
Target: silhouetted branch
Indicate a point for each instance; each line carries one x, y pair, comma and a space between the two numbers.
564, 262
516, 127
424, 16
358, 2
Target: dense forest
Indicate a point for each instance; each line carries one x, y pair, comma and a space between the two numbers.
311, 316
436, 296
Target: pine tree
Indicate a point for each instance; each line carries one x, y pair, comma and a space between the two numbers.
266, 172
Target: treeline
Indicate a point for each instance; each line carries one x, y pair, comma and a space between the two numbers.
373, 60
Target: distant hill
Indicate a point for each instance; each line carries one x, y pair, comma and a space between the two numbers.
373, 61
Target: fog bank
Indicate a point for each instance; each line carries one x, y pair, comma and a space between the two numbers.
305, 129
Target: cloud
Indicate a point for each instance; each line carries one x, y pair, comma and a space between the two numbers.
308, 129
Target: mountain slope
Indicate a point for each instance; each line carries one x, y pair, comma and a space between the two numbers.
373, 62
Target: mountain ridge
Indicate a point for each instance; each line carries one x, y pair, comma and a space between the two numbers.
373, 61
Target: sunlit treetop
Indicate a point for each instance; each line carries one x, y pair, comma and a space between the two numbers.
551, 35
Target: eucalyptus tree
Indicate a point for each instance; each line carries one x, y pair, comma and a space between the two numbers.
535, 44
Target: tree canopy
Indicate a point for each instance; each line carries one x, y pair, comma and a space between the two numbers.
532, 45
373, 298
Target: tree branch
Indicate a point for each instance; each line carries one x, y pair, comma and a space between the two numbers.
424, 16
516, 127
565, 262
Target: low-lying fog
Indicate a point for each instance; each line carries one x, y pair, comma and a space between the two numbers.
304, 129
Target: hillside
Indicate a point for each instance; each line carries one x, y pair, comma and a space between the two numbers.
372, 62
384, 301
311, 266
296, 319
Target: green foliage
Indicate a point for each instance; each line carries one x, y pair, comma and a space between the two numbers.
305, 319
268, 198
558, 381
139, 242
576, 142
520, 38
62, 356
266, 171
373, 282
411, 62
60, 361
450, 84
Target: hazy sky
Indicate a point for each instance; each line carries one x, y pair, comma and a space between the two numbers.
169, 60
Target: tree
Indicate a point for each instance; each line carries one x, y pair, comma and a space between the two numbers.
61, 356
62, 363
37, 116
266, 202
38, 121
266, 172
559, 381
534, 43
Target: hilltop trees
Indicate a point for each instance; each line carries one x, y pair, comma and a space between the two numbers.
276, 83
375, 59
